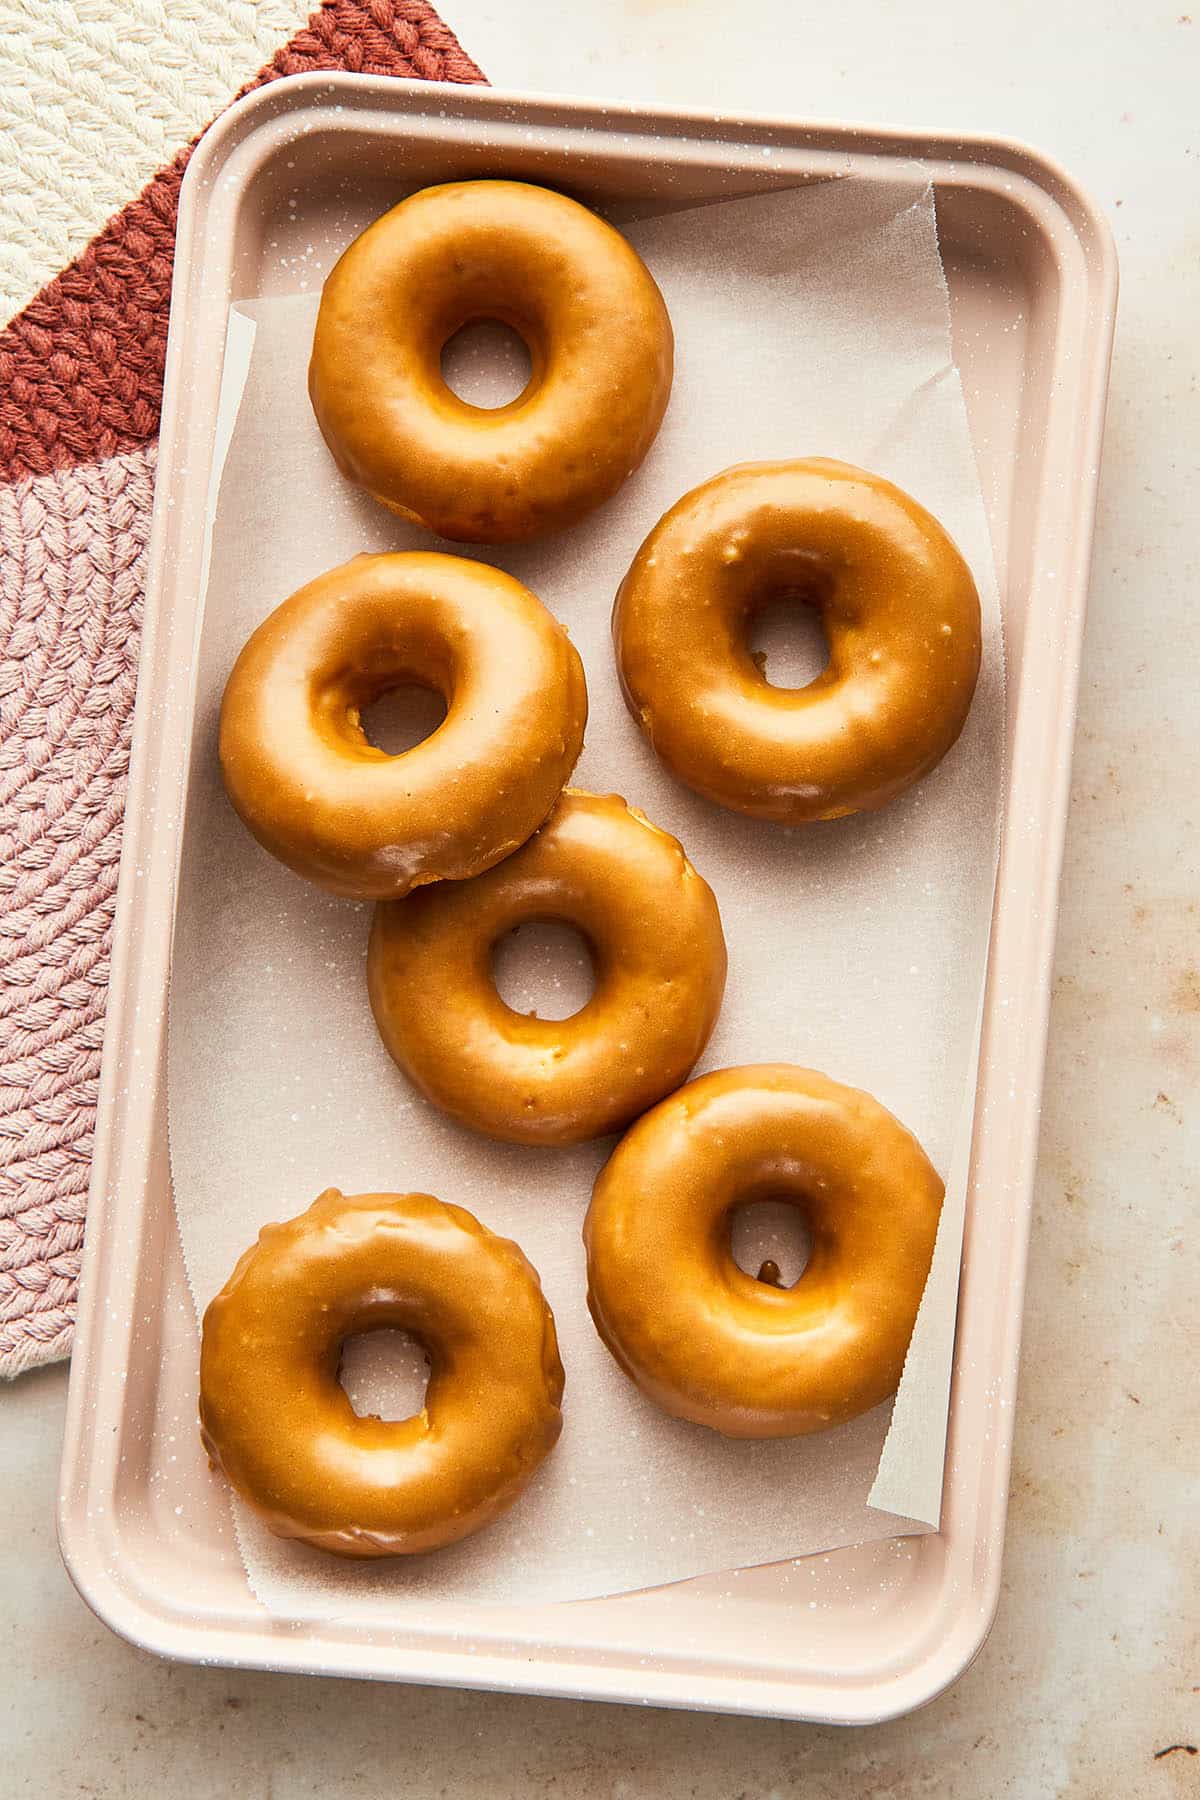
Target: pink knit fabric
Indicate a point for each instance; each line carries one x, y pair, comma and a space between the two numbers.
72, 548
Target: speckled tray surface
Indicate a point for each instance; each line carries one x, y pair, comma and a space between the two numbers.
851, 1636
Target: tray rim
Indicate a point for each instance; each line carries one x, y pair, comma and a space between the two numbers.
118, 1595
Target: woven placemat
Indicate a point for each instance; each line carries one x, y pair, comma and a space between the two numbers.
80, 391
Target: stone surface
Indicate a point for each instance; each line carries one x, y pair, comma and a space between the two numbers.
1094, 1663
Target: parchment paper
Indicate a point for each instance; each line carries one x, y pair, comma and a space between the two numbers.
812, 321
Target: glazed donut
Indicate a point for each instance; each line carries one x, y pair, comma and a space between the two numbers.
274, 1418
901, 617
703, 1339
298, 766
654, 932
591, 317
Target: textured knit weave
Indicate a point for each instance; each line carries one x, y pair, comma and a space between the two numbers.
72, 550
137, 77
80, 391
81, 367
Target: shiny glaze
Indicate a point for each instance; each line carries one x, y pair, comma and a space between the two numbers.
655, 936
274, 1417
323, 799
900, 614
703, 1339
599, 343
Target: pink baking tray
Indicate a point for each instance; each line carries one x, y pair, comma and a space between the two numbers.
855, 1636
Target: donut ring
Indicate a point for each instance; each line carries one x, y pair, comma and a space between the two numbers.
275, 1419
655, 935
298, 766
703, 1339
592, 319
901, 617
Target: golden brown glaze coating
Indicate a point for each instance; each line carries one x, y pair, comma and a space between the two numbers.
655, 937
900, 613
599, 343
708, 1342
323, 799
274, 1417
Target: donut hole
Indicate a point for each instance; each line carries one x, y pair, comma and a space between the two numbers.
770, 1240
402, 717
384, 1374
487, 364
786, 637
544, 969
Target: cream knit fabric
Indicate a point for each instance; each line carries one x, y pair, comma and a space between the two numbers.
95, 96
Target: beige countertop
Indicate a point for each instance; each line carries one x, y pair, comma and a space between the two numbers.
1094, 1663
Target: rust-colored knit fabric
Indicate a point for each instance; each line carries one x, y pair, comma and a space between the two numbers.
81, 367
